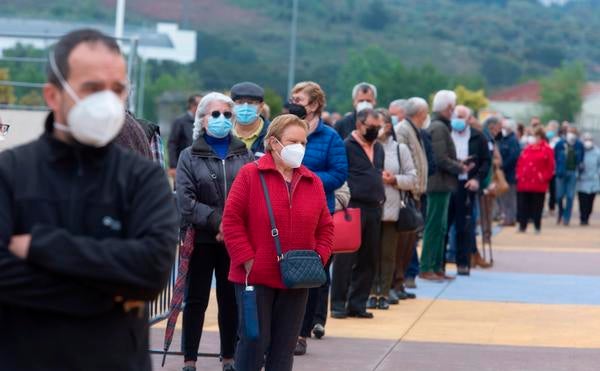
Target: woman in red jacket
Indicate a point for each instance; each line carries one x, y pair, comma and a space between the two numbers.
303, 221
535, 169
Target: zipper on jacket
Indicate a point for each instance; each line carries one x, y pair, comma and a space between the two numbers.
224, 182
73, 206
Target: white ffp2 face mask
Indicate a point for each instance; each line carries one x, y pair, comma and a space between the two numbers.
292, 155
96, 119
363, 105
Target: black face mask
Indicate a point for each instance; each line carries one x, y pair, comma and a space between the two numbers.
297, 109
371, 134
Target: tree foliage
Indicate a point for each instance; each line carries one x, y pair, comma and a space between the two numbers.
475, 100
561, 92
6, 92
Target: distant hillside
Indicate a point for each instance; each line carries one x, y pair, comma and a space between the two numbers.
496, 42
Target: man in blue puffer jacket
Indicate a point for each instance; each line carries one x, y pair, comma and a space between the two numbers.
325, 156
568, 155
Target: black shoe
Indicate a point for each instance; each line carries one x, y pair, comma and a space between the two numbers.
393, 297
318, 330
188, 368
364, 314
339, 314
463, 271
410, 295
383, 304
401, 295
228, 367
372, 303
300, 349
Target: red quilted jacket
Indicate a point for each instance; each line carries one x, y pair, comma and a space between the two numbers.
535, 168
301, 216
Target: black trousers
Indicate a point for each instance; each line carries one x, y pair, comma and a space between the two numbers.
552, 194
280, 313
460, 213
531, 206
205, 259
586, 206
352, 274
316, 306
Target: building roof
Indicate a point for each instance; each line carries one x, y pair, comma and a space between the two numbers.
530, 92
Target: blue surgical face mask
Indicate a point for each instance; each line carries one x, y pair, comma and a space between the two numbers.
550, 134
218, 127
458, 124
395, 120
245, 114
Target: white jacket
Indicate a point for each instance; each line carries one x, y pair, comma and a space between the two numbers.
406, 177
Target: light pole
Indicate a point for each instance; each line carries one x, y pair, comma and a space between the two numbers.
292, 65
119, 19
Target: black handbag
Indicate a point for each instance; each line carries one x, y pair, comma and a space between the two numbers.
299, 268
410, 218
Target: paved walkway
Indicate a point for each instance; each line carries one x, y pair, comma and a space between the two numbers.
537, 309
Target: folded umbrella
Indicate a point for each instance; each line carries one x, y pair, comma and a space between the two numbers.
185, 253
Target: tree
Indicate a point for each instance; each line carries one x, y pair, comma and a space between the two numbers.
7, 95
561, 92
274, 101
475, 100
33, 98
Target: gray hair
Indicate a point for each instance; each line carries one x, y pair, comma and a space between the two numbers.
510, 124
400, 103
415, 105
203, 106
364, 86
443, 99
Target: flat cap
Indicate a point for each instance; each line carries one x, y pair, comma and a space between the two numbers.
247, 90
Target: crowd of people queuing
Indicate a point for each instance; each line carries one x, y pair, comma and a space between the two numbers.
88, 226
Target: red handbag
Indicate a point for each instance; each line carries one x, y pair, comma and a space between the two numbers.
347, 235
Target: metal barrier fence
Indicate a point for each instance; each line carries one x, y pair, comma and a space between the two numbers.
160, 309
44, 41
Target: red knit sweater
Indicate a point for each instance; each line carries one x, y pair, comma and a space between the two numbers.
535, 168
301, 216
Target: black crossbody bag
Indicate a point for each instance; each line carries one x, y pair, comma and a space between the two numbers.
299, 268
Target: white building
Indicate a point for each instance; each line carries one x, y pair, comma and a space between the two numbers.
165, 42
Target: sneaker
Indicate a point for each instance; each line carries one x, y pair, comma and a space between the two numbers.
300, 349
228, 367
318, 330
393, 297
410, 283
383, 304
188, 368
372, 303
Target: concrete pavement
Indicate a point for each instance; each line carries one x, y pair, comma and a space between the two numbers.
538, 308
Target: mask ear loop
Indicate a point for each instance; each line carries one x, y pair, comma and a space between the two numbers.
61, 78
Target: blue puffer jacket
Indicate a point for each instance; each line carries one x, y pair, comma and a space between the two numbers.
510, 149
326, 156
560, 156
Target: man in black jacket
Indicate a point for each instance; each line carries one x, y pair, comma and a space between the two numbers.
364, 95
181, 133
87, 229
472, 149
353, 273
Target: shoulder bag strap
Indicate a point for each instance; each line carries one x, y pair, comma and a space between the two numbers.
274, 231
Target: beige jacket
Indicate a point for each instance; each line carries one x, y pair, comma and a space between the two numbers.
405, 134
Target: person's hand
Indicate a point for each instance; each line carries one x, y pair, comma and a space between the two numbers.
472, 185
248, 265
468, 167
388, 178
219, 237
172, 172
19, 245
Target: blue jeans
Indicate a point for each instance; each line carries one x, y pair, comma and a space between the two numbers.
565, 188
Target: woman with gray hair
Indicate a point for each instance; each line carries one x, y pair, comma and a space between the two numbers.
205, 173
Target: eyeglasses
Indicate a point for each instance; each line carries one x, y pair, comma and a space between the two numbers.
216, 114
